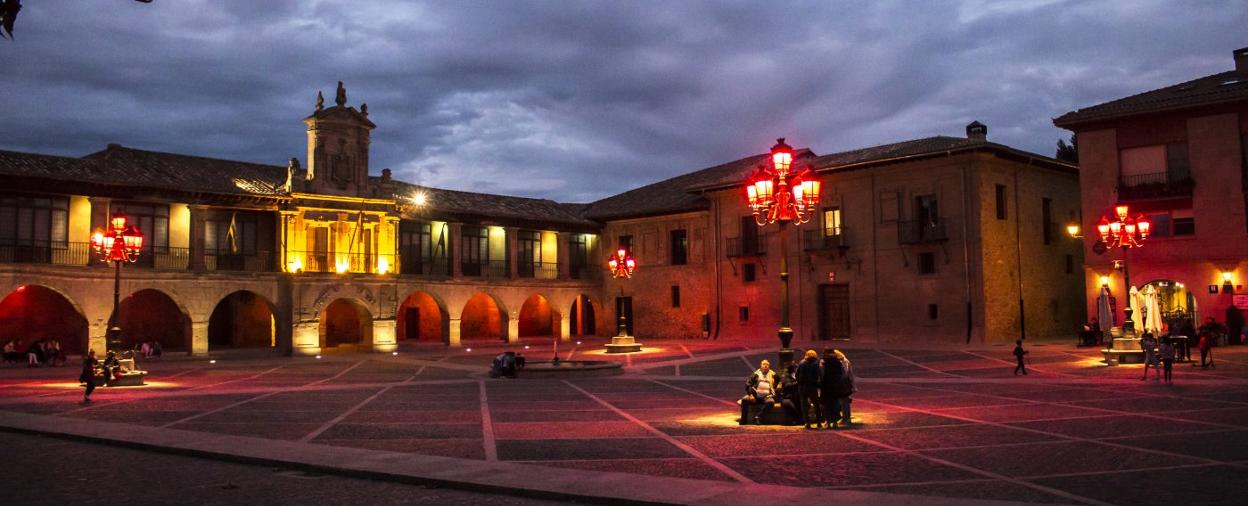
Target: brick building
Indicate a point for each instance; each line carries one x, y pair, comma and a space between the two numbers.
936, 239
1178, 155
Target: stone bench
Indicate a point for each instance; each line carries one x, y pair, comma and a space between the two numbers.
777, 415
1115, 357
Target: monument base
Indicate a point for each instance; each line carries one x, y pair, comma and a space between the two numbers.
623, 344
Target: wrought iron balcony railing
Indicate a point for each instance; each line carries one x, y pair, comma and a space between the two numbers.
735, 247
538, 270
359, 263
45, 252
413, 265
1175, 183
260, 261
484, 269
916, 232
824, 238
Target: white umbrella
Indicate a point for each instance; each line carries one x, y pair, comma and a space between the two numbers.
1152, 310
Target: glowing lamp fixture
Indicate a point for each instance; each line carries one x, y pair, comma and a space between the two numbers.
341, 266
1227, 286
622, 264
1226, 276
1125, 231
1073, 230
383, 265
781, 193
295, 265
122, 242
1105, 281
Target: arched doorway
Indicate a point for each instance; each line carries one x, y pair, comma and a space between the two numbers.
1176, 305
346, 322
242, 319
151, 315
421, 318
31, 313
537, 318
482, 318
581, 317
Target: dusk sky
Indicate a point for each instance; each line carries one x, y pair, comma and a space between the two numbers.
575, 101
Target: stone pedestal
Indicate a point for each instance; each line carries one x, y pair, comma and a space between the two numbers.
384, 336
623, 344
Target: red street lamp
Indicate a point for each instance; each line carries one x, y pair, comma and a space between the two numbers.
1124, 232
120, 243
622, 266
783, 194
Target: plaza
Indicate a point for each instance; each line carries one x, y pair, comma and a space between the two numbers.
932, 423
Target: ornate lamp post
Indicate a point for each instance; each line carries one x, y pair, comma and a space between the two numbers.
121, 243
622, 265
1124, 232
783, 194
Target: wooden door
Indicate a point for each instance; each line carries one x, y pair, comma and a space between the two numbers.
833, 311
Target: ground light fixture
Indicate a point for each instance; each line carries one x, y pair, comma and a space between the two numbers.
783, 193
1124, 232
120, 244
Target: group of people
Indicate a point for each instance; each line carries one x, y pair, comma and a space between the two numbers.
150, 349
1159, 351
42, 352
92, 368
816, 391
508, 364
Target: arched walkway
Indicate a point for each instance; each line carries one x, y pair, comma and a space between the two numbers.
421, 318
581, 317
242, 319
346, 321
152, 315
537, 318
31, 313
483, 318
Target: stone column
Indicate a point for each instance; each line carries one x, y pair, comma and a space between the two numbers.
513, 252
307, 338
563, 254
384, 337
457, 270
199, 339
198, 215
513, 328
452, 332
96, 339
565, 327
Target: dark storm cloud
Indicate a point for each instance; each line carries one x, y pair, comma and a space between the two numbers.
578, 100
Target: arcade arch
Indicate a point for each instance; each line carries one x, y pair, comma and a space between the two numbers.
243, 319
422, 318
483, 317
345, 322
537, 318
31, 313
152, 315
582, 320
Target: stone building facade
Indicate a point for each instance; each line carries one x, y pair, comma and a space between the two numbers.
1178, 155
950, 239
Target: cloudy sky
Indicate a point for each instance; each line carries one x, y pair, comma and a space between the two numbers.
578, 100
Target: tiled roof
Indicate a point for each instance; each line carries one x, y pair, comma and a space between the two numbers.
14, 163
1225, 87
501, 207
128, 166
924, 146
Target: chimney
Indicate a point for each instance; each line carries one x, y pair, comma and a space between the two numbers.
977, 131
1241, 62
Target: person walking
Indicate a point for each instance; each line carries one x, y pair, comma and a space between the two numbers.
1206, 351
847, 388
87, 377
808, 376
832, 388
1020, 353
1167, 358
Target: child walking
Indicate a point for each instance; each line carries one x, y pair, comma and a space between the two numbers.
1019, 353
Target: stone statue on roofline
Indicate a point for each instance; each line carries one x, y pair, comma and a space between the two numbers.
341, 98
320, 101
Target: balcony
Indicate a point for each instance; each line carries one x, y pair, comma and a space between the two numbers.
582, 272
735, 247
164, 258
538, 270
1157, 185
413, 265
484, 268
359, 263
821, 239
260, 261
917, 232
45, 252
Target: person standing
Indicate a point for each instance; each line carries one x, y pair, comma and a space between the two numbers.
808, 377
1206, 351
847, 388
1020, 353
1167, 358
831, 388
87, 376
1148, 345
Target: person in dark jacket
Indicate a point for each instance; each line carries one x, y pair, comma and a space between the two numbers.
760, 388
788, 394
808, 376
833, 387
1019, 353
88, 375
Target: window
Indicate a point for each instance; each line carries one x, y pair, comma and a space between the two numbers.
1001, 202
743, 314
927, 263
626, 242
152, 220
1182, 222
749, 235
1159, 163
474, 249
1046, 219
578, 255
529, 252
926, 211
831, 221
675, 296
680, 247
415, 246
233, 236
34, 221
747, 272
932, 311
1070, 263
319, 249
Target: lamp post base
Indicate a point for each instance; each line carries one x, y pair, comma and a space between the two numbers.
623, 344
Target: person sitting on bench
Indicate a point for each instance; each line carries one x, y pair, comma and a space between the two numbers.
759, 389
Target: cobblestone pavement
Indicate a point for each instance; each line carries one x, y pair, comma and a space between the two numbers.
936, 421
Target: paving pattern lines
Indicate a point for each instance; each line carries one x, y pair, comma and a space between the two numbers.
487, 425
1012, 364
201, 387
75, 391
717, 465
949, 463
327, 425
916, 364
